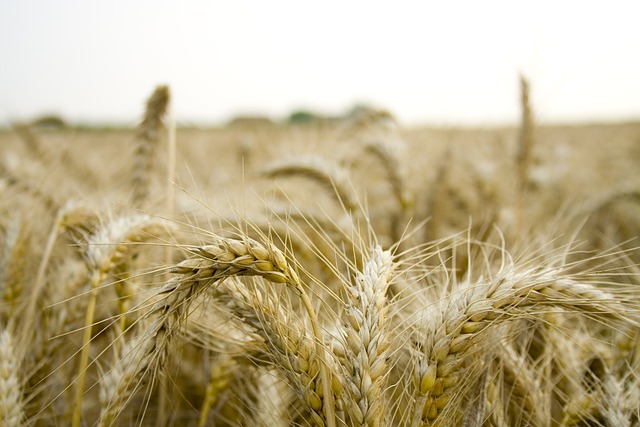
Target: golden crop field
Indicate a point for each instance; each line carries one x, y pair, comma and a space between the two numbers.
332, 273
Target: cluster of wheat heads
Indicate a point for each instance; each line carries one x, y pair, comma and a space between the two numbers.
361, 310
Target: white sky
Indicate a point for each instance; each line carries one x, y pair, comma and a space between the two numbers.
446, 62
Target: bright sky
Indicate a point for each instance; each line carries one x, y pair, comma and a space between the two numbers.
446, 62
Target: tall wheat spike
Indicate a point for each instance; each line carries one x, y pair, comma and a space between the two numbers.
366, 341
148, 139
524, 152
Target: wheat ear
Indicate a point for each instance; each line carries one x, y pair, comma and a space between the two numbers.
171, 159
525, 140
475, 412
319, 397
78, 221
287, 345
148, 139
524, 151
495, 405
30, 140
393, 168
35, 191
395, 173
618, 407
221, 371
11, 400
209, 265
325, 172
437, 199
466, 317
13, 264
524, 388
62, 311
276, 397
109, 248
367, 344
607, 395
31, 189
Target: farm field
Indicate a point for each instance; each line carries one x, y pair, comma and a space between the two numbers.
347, 273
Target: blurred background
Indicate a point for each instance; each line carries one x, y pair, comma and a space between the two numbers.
445, 63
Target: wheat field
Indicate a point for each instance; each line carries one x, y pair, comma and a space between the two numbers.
335, 273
